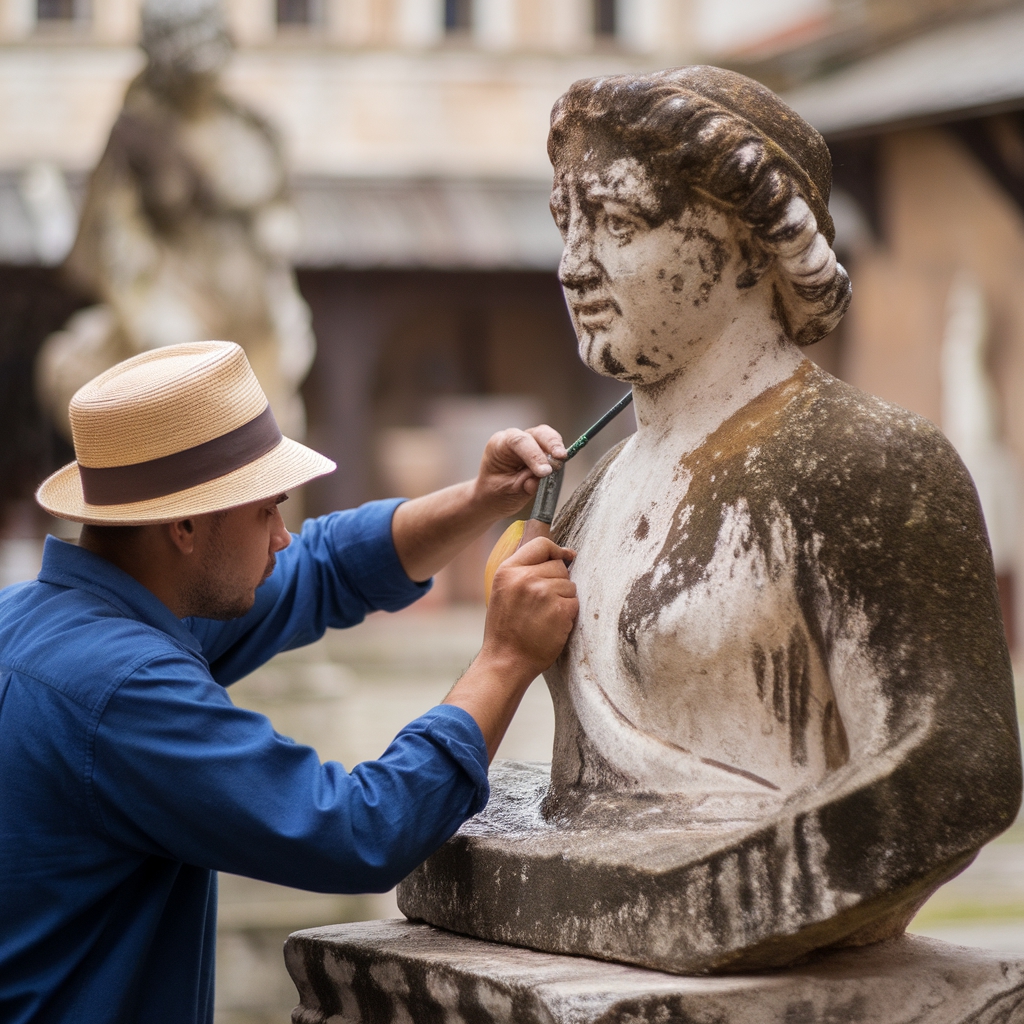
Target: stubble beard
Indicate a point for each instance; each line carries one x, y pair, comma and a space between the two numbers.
220, 592
210, 599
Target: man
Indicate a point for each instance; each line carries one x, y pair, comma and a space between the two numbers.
129, 777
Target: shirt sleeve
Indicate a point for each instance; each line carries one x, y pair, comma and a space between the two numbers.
179, 771
339, 568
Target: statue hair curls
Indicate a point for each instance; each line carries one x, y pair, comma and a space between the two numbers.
709, 135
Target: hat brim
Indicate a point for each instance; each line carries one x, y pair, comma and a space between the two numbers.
287, 465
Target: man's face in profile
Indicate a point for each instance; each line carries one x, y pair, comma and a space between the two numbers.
235, 552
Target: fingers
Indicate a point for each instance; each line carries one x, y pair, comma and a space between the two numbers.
542, 550
529, 452
526, 482
551, 575
533, 605
549, 439
532, 448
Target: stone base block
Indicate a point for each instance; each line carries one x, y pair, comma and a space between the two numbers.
380, 972
723, 886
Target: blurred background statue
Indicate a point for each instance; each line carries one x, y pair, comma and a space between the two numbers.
187, 228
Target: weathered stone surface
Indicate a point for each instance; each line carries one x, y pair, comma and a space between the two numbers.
785, 714
383, 971
710, 893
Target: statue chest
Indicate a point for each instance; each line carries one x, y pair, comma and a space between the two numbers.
237, 160
693, 664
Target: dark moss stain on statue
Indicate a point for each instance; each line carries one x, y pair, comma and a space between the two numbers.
712, 259
387, 988
610, 363
885, 520
789, 696
887, 526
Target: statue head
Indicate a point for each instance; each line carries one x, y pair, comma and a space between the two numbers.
185, 40
683, 195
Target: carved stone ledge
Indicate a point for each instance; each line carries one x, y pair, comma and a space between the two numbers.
395, 971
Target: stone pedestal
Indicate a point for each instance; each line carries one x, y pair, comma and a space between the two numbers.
396, 971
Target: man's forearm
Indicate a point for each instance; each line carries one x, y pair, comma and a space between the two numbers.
490, 690
429, 532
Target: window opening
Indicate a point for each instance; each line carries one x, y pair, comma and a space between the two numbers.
298, 12
605, 21
60, 10
458, 15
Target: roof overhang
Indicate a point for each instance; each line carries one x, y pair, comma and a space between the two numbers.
354, 223
961, 70
440, 223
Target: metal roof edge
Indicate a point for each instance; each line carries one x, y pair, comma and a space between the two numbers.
967, 68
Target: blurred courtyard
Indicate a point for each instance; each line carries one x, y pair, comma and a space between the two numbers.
350, 693
414, 134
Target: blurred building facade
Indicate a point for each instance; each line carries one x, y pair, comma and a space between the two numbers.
415, 132
927, 139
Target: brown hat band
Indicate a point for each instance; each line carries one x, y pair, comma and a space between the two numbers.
143, 481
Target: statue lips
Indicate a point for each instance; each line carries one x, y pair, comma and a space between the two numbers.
596, 315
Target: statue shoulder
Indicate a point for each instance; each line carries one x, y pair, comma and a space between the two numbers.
569, 522
861, 443
895, 524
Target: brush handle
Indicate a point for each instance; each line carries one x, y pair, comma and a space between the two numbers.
545, 503
584, 439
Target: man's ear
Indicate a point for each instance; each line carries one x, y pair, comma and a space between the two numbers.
183, 535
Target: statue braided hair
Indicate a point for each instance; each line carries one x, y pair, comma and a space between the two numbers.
709, 135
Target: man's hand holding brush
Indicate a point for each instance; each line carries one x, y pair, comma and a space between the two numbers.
531, 612
430, 531
532, 602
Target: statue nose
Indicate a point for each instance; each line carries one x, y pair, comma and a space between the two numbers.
578, 270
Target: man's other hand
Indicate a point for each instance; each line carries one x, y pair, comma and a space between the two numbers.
533, 607
532, 610
512, 465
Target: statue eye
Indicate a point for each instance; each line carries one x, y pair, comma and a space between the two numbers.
618, 225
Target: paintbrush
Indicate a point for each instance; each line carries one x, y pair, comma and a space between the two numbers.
546, 502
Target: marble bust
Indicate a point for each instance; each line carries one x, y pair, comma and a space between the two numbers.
786, 712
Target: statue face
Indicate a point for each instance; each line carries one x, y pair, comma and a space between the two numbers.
196, 49
644, 299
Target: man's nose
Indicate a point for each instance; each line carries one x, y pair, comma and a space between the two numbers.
280, 538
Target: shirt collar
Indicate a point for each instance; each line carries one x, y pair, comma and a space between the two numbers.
68, 565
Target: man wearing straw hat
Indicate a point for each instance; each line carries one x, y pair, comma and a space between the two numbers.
129, 777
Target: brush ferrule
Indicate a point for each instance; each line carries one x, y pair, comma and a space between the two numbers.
546, 501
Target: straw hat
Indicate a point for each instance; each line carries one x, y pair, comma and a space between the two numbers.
174, 433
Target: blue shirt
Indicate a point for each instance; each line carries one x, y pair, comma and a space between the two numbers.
128, 777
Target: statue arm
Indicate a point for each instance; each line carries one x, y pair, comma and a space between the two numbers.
918, 660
